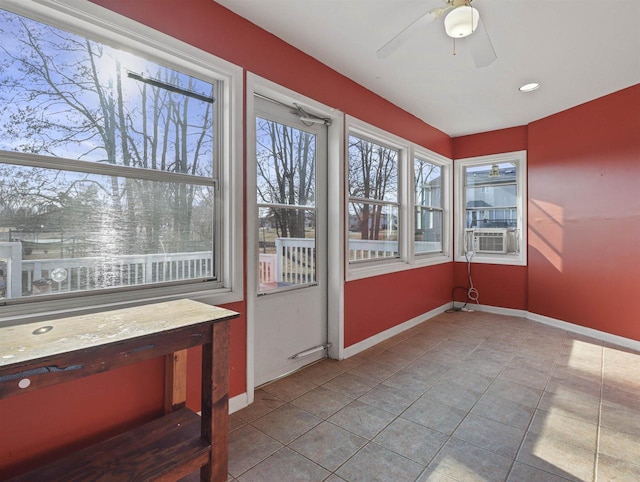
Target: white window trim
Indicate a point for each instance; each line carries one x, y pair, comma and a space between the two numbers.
335, 247
407, 151
519, 259
96, 22
428, 259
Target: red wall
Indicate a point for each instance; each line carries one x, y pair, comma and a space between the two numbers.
493, 142
497, 285
393, 299
58, 419
584, 214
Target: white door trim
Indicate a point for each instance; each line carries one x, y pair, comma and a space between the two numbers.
335, 172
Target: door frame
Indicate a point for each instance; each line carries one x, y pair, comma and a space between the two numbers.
335, 231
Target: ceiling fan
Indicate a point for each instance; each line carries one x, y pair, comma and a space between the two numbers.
461, 21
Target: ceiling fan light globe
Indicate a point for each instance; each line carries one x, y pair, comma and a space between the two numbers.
461, 21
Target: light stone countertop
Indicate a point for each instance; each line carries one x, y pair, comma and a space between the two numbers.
19, 343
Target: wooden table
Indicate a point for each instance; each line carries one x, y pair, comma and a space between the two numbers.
37, 355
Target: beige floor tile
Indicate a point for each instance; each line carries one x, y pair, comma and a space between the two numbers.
516, 393
578, 405
466, 462
461, 397
504, 411
525, 473
551, 455
350, 385
432, 476
405, 416
362, 419
247, 447
328, 445
411, 440
286, 423
527, 371
322, 402
434, 415
263, 403
610, 468
620, 445
373, 371
290, 387
285, 466
491, 435
377, 464
627, 421
323, 371
564, 429
390, 399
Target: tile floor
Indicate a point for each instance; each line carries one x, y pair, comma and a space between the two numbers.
461, 397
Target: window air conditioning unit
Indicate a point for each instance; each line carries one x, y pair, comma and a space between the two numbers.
484, 240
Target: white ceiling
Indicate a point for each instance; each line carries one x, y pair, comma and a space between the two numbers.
578, 50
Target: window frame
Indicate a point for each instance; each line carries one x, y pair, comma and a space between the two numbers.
407, 258
520, 159
443, 256
102, 25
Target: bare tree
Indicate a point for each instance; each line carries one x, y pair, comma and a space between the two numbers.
286, 168
373, 175
67, 96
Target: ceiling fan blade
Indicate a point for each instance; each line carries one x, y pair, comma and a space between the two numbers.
481, 47
390, 47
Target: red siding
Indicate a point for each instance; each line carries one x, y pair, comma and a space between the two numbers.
497, 285
493, 142
584, 214
373, 305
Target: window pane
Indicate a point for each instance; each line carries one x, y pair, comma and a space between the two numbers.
66, 96
79, 232
428, 184
428, 235
286, 258
373, 170
373, 231
491, 196
286, 164
490, 174
492, 218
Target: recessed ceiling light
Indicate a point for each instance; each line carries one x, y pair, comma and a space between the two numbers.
529, 87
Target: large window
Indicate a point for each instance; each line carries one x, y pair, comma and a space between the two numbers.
491, 197
110, 166
398, 206
429, 206
374, 221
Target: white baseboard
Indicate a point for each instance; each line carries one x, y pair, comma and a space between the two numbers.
564, 325
583, 330
498, 310
238, 402
394, 330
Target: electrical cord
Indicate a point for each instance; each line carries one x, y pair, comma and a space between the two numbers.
470, 290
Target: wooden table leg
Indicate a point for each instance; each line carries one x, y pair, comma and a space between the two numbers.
175, 381
215, 403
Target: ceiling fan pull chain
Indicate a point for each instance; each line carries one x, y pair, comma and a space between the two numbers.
454, 45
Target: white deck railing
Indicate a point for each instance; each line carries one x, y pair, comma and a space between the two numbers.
294, 262
97, 272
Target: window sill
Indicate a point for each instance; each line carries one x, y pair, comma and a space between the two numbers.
369, 270
432, 259
42, 310
493, 259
